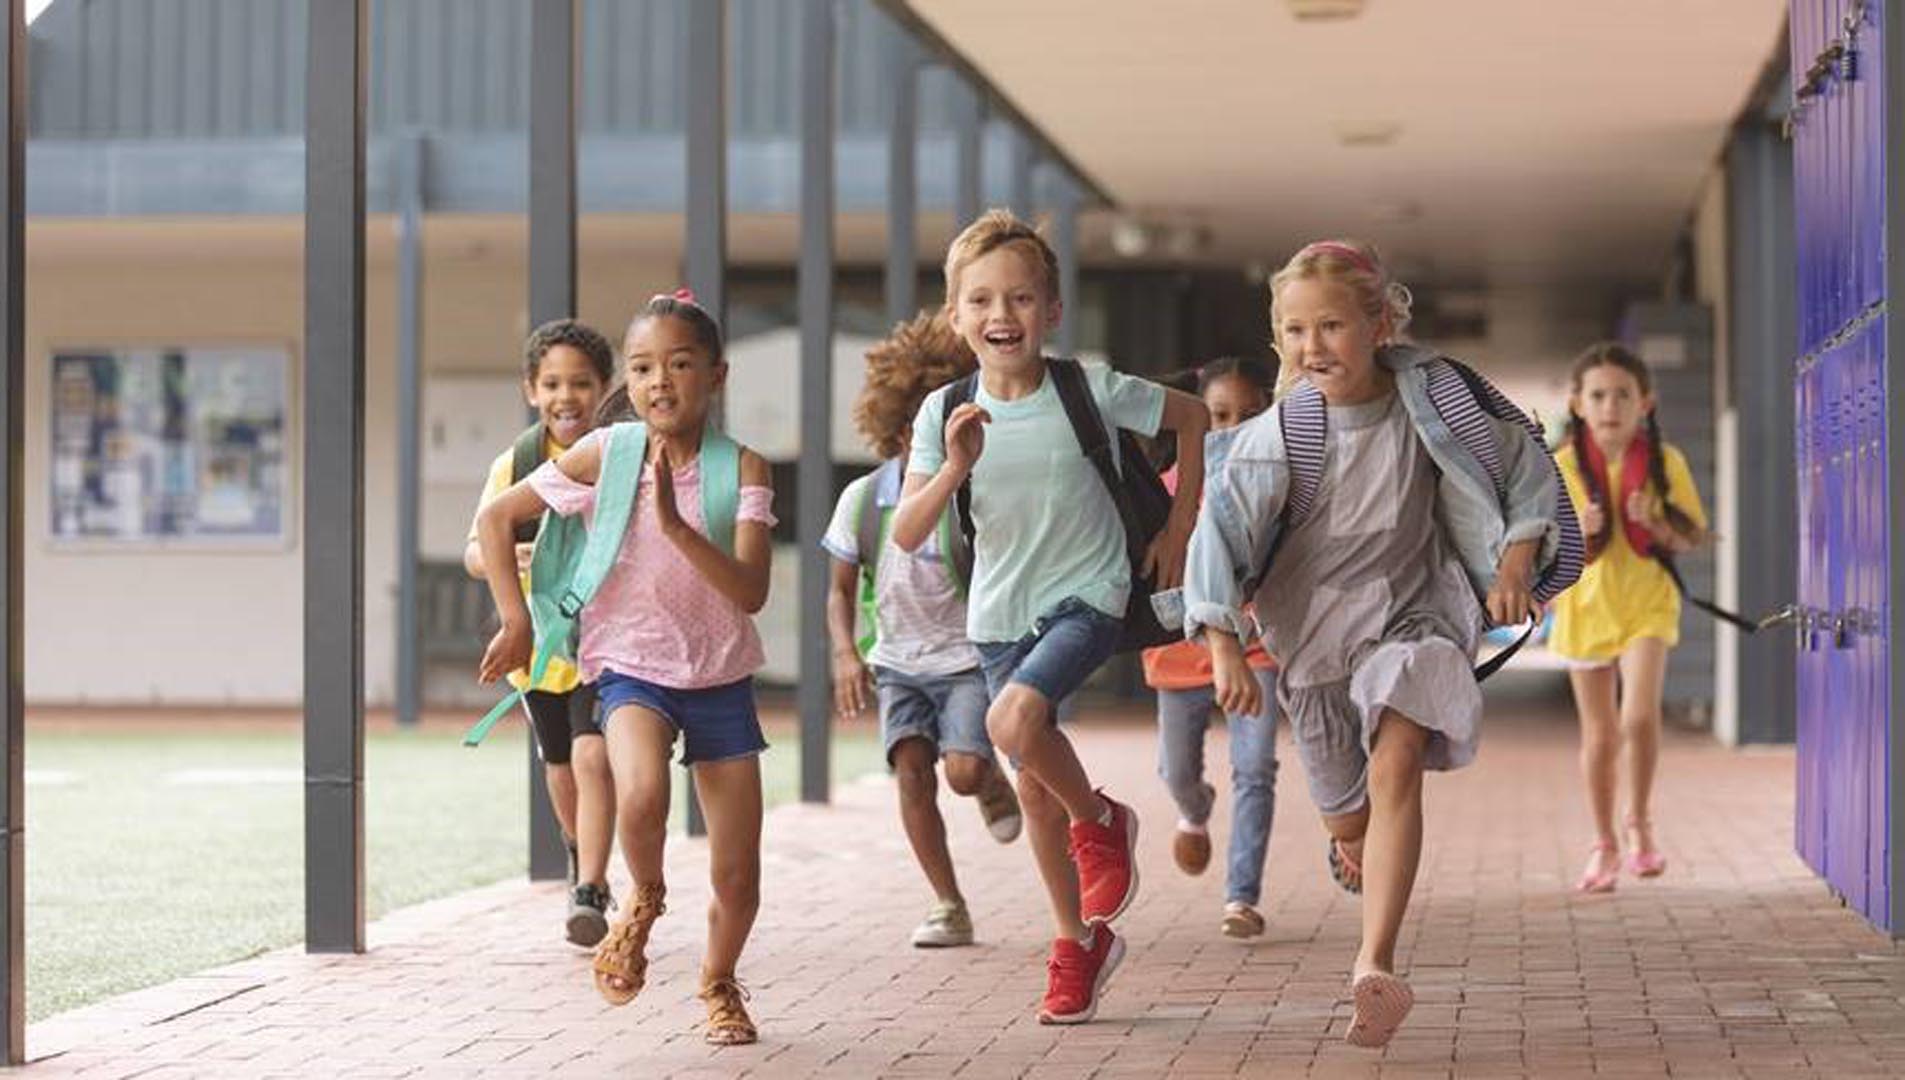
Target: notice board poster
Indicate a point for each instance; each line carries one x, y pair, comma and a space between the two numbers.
170, 445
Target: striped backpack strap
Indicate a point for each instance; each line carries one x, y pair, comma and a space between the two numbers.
1305, 420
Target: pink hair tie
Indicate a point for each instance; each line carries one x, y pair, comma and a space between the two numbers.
1344, 251
683, 294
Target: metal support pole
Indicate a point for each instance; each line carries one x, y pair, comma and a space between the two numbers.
902, 178
1020, 163
815, 474
969, 149
12, 538
707, 198
334, 477
1065, 240
409, 188
552, 284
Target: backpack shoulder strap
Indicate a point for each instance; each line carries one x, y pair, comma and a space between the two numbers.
1466, 401
958, 392
955, 551
1068, 378
525, 455
720, 487
1304, 417
869, 517
624, 451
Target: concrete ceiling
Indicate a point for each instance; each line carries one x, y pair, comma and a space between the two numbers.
1535, 142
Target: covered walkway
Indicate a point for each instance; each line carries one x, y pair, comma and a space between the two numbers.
1737, 963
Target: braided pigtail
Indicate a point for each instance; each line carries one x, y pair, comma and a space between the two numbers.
1657, 474
1591, 482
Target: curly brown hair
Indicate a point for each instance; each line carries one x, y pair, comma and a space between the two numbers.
918, 357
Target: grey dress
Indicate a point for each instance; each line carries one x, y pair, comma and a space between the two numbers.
1367, 607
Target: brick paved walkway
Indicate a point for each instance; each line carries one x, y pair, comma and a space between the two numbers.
1737, 963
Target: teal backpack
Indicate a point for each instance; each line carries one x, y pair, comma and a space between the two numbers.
873, 522
571, 560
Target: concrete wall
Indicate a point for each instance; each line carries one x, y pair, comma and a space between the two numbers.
174, 625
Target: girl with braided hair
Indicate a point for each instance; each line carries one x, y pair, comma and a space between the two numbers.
1638, 508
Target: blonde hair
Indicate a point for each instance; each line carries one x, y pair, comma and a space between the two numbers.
991, 231
1351, 263
918, 357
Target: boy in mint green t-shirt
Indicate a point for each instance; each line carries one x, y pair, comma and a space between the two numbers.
1051, 578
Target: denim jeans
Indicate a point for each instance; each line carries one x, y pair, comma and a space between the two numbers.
1183, 716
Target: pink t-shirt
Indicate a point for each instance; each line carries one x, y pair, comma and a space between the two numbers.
655, 617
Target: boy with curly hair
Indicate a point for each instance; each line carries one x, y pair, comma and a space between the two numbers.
912, 654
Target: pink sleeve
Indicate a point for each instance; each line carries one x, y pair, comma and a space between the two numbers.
757, 504
564, 496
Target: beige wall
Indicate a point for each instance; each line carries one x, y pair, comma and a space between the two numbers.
151, 624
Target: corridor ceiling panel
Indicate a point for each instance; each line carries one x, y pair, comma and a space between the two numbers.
1532, 141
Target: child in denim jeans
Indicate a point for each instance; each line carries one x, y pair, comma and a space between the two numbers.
1234, 390
1051, 576
914, 654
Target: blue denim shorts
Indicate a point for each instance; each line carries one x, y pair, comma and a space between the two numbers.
718, 723
948, 711
1065, 646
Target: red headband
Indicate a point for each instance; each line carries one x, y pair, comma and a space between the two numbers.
1344, 251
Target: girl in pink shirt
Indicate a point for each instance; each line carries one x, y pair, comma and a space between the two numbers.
669, 642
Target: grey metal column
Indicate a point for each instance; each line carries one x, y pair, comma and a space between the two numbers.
1065, 240
552, 283
707, 198
969, 150
1020, 162
334, 477
1762, 340
902, 177
12, 538
409, 162
815, 473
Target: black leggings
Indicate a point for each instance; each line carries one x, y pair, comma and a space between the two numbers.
559, 719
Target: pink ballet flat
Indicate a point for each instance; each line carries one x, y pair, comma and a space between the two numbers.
1594, 879
1643, 861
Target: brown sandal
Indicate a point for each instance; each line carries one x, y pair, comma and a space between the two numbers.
623, 952
728, 1023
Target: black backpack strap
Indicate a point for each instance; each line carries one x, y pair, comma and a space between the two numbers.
1745, 625
1068, 378
958, 393
525, 458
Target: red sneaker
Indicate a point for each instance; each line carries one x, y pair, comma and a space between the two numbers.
1075, 976
1107, 866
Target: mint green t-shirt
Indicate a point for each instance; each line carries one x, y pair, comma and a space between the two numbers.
1046, 528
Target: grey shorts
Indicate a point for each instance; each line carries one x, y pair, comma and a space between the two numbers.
1428, 680
948, 711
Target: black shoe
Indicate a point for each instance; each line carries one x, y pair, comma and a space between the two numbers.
588, 914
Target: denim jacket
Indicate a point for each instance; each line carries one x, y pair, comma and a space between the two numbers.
1497, 486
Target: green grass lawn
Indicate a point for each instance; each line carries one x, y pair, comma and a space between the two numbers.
155, 853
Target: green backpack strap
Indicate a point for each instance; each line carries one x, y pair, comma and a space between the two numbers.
720, 487
571, 562
955, 552
525, 456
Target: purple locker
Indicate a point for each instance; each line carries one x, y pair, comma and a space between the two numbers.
1842, 820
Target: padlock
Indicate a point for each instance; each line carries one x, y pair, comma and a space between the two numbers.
1848, 64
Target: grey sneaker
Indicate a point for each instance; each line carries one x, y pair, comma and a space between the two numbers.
1242, 920
588, 914
946, 925
999, 806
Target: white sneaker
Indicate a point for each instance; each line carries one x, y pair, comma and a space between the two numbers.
946, 925
999, 806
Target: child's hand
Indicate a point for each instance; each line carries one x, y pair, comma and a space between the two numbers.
1640, 511
1511, 599
1164, 559
1235, 685
966, 435
852, 683
524, 553
507, 651
1592, 518
666, 511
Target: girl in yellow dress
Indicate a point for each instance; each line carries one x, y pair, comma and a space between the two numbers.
1637, 505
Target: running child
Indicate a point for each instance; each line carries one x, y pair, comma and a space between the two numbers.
568, 370
668, 640
913, 655
1637, 503
1388, 505
1234, 390
1051, 576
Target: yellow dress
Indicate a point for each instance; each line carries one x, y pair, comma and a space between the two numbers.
561, 675
1623, 595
